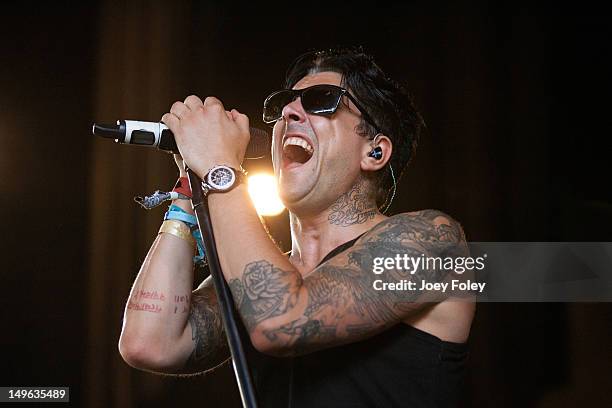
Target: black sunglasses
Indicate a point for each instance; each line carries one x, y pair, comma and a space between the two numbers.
317, 99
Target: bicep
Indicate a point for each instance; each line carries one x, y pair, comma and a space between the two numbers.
345, 293
381, 278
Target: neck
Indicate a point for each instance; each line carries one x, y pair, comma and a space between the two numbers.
314, 236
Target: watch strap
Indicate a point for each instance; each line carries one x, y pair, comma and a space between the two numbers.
239, 174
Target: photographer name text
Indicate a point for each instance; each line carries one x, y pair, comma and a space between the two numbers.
454, 284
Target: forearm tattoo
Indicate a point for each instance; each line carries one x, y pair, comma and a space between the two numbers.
341, 304
265, 291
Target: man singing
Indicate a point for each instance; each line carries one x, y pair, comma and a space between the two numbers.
322, 335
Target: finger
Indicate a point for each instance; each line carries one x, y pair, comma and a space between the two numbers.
241, 119
212, 102
170, 120
179, 109
193, 102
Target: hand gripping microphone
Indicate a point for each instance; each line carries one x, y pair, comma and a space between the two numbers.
152, 134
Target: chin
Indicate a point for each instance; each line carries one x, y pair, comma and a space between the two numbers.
292, 197
306, 203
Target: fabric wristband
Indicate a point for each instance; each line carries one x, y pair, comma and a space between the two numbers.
182, 187
200, 258
173, 214
177, 213
178, 229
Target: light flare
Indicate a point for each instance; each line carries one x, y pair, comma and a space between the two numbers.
264, 194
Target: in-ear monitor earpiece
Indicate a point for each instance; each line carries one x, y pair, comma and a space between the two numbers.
376, 153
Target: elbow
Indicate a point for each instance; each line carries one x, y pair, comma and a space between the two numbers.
266, 342
133, 354
144, 355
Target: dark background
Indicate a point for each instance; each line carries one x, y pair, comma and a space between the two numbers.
516, 99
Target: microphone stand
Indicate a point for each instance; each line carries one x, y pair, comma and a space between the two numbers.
226, 305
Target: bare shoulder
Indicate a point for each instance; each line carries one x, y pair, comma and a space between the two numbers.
432, 233
425, 226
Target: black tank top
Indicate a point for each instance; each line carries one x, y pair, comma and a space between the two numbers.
400, 367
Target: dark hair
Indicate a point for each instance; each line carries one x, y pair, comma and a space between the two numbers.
386, 101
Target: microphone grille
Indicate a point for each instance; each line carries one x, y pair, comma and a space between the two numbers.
259, 145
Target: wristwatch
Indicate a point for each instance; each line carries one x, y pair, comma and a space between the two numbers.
221, 179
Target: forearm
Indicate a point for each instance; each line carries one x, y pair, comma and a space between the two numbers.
157, 310
241, 238
249, 259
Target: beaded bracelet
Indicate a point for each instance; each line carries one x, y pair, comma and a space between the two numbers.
181, 191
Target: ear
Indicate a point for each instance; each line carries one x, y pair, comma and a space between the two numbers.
370, 163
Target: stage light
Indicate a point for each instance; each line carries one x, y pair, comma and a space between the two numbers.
263, 191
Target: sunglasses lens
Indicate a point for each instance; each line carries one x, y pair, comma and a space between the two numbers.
321, 100
273, 107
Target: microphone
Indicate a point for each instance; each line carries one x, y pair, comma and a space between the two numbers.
156, 134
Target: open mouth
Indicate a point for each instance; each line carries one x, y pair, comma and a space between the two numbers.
296, 150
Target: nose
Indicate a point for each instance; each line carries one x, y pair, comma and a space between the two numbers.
294, 111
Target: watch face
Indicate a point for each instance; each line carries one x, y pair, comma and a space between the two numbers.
221, 178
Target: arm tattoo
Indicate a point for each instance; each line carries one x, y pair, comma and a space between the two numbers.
342, 304
352, 207
210, 345
265, 291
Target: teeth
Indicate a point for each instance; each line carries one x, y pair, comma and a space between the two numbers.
298, 141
